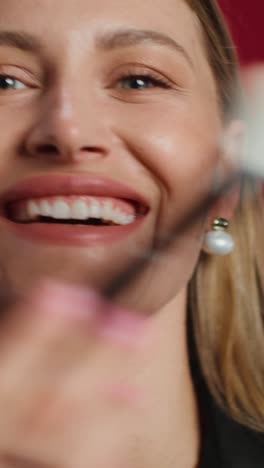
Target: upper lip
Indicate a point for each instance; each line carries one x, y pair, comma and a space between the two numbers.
66, 185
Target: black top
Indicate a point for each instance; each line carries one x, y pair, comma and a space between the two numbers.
226, 444
229, 445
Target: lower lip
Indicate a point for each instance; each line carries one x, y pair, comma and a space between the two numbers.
72, 235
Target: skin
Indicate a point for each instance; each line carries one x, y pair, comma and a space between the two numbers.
161, 140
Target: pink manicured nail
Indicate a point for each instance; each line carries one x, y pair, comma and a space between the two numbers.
122, 326
57, 299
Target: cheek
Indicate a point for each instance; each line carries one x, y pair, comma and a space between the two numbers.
14, 123
180, 151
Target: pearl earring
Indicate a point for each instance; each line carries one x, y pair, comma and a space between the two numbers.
218, 241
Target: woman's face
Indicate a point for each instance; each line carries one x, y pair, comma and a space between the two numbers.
102, 93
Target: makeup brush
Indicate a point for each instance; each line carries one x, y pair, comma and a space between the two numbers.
250, 164
125, 278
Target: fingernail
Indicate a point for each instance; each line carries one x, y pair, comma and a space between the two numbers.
58, 299
121, 326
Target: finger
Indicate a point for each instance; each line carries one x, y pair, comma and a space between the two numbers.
35, 325
98, 378
51, 337
118, 324
28, 381
67, 325
47, 347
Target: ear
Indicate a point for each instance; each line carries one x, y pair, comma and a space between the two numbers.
232, 146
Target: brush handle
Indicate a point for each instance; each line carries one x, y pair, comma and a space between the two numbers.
125, 278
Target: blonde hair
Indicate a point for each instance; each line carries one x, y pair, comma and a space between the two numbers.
226, 294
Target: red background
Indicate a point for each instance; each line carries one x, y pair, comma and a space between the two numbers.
246, 18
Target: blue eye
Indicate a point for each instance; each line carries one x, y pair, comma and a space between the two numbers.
138, 82
7, 83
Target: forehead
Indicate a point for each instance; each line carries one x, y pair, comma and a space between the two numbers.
83, 17
70, 27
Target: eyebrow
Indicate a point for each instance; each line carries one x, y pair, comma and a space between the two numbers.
20, 40
133, 37
108, 41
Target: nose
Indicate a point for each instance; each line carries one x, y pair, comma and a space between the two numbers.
68, 129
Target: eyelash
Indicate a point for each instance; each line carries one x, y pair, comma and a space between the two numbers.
156, 80
5, 77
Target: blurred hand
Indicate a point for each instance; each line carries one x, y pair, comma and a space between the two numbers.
67, 396
253, 79
253, 109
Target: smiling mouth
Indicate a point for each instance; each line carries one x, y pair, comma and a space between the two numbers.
72, 209
75, 210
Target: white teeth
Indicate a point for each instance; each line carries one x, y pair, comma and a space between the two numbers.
122, 218
80, 210
129, 219
96, 210
45, 208
33, 209
108, 209
117, 216
60, 210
